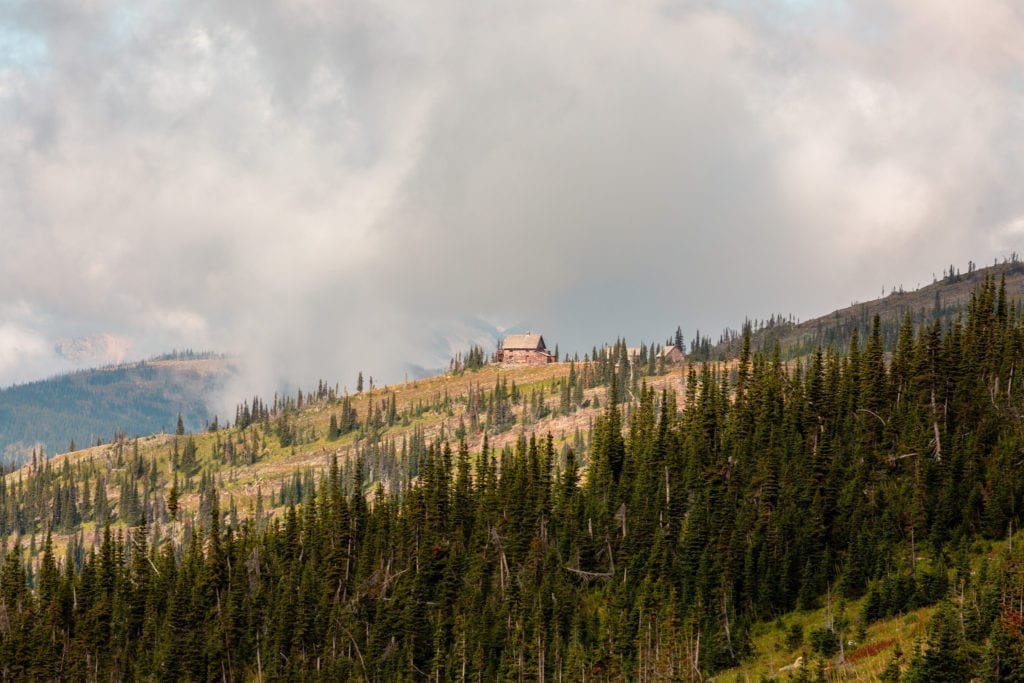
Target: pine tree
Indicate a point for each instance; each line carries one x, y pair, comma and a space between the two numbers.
172, 499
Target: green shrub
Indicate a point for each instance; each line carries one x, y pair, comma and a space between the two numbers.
824, 641
795, 637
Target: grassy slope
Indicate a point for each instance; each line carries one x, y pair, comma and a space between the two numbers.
276, 464
864, 659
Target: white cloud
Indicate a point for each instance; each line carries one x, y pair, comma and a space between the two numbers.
19, 347
321, 185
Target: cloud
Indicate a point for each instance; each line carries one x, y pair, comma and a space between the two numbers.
18, 347
320, 186
24, 350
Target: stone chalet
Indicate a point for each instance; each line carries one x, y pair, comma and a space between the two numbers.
672, 355
524, 349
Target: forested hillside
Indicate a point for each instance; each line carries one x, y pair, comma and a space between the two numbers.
439, 531
81, 407
942, 300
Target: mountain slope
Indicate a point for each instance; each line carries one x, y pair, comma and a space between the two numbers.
944, 300
521, 523
138, 398
145, 398
748, 514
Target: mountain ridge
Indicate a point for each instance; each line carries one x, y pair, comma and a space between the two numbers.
944, 299
132, 398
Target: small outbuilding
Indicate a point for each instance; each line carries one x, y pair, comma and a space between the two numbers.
524, 349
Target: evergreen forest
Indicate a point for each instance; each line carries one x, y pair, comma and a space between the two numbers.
651, 548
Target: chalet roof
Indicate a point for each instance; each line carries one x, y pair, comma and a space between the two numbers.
668, 350
528, 341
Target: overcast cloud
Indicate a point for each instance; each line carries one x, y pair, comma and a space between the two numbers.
323, 187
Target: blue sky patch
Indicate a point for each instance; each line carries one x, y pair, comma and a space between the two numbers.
19, 48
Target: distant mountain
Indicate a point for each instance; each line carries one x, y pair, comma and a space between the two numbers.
95, 351
944, 300
146, 397
455, 337
136, 398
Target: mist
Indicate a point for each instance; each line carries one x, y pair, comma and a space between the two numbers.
323, 188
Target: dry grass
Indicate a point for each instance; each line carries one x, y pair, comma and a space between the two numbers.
869, 650
865, 662
275, 464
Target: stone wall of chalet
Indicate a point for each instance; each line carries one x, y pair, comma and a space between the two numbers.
525, 357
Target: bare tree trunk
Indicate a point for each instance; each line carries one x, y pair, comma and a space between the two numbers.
668, 490
695, 660
463, 658
540, 659
725, 625
259, 661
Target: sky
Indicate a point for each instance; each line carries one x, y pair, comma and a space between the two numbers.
323, 187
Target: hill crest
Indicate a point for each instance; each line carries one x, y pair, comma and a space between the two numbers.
943, 300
